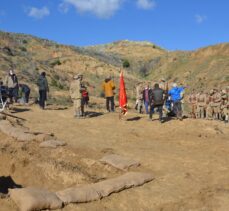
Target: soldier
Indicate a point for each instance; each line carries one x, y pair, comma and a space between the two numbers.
201, 105
193, 101
139, 97
76, 95
209, 109
225, 105
216, 104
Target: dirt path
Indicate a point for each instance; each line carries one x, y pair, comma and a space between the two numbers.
189, 159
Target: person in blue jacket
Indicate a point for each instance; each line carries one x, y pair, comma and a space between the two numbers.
176, 94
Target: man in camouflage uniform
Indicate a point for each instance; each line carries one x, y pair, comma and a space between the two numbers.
76, 95
193, 102
139, 97
201, 105
209, 109
225, 105
216, 104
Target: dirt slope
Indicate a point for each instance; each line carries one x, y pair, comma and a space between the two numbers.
189, 159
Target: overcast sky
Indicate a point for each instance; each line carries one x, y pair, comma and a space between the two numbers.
171, 24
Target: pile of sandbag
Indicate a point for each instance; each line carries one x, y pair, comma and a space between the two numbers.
24, 135
119, 161
18, 133
102, 189
29, 199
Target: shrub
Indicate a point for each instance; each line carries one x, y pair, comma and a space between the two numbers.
126, 63
54, 63
23, 49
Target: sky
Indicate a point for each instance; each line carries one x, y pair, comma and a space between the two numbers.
171, 24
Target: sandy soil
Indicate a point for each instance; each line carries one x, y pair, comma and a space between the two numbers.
189, 159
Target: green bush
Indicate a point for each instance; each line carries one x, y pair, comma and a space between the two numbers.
23, 49
54, 63
126, 63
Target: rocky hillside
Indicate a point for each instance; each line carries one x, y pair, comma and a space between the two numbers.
28, 55
204, 68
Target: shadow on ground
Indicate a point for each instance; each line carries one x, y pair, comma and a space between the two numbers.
92, 114
134, 119
6, 183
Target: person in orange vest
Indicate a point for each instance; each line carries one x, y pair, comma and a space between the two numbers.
108, 87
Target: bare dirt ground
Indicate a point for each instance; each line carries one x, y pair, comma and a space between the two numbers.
189, 159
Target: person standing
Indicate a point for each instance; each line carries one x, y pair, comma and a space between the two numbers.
193, 102
217, 99
43, 89
156, 97
11, 82
139, 98
201, 105
76, 89
176, 97
146, 98
25, 92
108, 87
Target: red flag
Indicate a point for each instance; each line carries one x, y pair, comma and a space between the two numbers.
122, 95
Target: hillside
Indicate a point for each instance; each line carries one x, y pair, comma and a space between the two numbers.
203, 69
29, 56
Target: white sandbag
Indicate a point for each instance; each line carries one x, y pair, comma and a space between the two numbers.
128, 180
119, 161
30, 199
78, 194
52, 144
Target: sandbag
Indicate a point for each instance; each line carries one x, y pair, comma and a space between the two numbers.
128, 180
52, 144
102, 189
30, 199
78, 194
119, 161
20, 134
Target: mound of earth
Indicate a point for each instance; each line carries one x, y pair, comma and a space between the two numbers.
188, 159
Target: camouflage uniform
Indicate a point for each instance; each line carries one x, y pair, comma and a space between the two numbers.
76, 95
216, 104
201, 105
193, 101
209, 109
139, 98
225, 105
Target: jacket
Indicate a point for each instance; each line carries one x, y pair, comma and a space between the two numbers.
42, 83
144, 95
108, 88
11, 81
176, 93
156, 96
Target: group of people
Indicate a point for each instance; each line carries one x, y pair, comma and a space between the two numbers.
161, 99
12, 91
210, 105
80, 95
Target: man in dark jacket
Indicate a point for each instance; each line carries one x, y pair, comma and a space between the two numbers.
156, 97
43, 89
